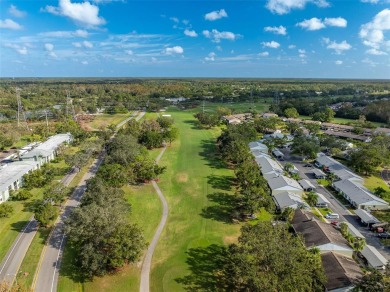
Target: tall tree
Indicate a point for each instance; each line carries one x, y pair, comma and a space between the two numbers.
269, 258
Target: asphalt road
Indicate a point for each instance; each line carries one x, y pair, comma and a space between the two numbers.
337, 207
49, 266
14, 258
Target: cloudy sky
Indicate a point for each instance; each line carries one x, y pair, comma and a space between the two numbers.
182, 38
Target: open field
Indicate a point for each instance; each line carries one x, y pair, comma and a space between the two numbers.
238, 107
197, 188
342, 121
373, 181
102, 121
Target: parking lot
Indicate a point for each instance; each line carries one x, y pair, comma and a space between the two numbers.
336, 207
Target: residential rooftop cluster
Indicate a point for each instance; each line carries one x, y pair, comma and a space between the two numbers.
11, 174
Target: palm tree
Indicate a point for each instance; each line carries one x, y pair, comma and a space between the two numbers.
288, 166
358, 244
312, 198
331, 177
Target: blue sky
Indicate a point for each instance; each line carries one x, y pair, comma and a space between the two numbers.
268, 39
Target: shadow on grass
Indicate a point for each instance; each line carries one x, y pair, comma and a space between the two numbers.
19, 226
69, 266
223, 209
210, 154
194, 124
204, 264
222, 182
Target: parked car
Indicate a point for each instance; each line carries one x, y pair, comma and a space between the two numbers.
332, 216
384, 235
308, 165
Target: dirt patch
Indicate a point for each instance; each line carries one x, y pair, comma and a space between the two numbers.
182, 177
229, 239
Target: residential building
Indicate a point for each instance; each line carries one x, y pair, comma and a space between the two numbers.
277, 153
281, 183
365, 217
322, 202
11, 176
306, 185
269, 115
269, 166
318, 174
289, 200
258, 146
47, 150
320, 234
341, 272
374, 258
358, 196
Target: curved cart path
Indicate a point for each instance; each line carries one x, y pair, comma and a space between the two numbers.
145, 272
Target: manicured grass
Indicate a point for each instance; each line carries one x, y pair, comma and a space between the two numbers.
146, 212
104, 120
237, 107
27, 269
197, 188
341, 121
323, 182
373, 181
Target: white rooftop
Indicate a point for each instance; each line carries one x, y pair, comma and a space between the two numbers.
14, 171
49, 146
373, 257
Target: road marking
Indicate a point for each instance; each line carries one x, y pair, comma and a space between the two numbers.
57, 266
20, 237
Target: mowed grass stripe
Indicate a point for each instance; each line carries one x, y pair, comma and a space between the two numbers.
185, 185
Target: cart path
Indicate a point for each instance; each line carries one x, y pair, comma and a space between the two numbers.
145, 272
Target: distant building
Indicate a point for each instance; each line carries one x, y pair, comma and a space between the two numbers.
269, 115
47, 151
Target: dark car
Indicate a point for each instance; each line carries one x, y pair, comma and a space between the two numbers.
308, 165
384, 235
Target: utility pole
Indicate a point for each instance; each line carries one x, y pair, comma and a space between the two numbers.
21, 113
203, 107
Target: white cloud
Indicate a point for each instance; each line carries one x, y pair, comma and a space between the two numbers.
292, 47
14, 11
22, 50
77, 45
49, 47
317, 23
285, 6
84, 62
264, 54
65, 34
190, 33
215, 15
301, 51
337, 47
272, 44
10, 24
338, 22
276, 29
375, 52
174, 50
372, 33
338, 62
129, 52
174, 19
217, 36
312, 24
370, 1
83, 13
87, 44
211, 57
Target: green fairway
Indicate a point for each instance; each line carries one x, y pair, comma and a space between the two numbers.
197, 188
238, 107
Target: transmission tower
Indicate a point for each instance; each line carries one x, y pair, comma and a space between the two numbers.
21, 114
70, 107
276, 97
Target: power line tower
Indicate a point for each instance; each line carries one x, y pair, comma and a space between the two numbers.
21, 114
276, 97
70, 107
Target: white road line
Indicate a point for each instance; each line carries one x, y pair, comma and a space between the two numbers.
20, 236
57, 266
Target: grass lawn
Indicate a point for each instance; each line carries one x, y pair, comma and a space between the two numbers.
27, 269
383, 216
104, 120
325, 211
373, 181
323, 182
341, 121
197, 188
146, 212
238, 107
